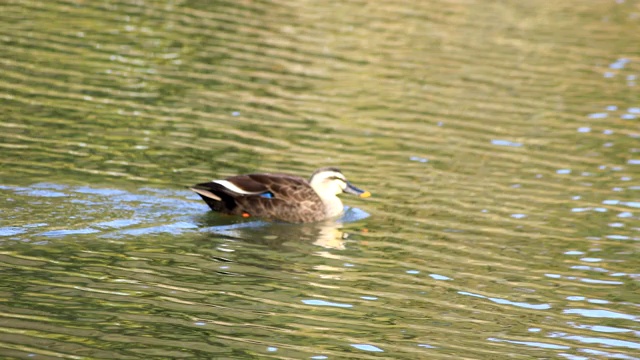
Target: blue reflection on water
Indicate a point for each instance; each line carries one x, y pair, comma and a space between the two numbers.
102, 192
598, 115
175, 228
532, 343
602, 341
573, 357
11, 231
608, 355
367, 347
59, 233
508, 302
596, 313
505, 143
619, 64
603, 282
325, 303
45, 193
418, 159
116, 213
588, 268
573, 252
618, 237
439, 277
119, 223
601, 328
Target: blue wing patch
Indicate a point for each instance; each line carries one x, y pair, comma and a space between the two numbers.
267, 195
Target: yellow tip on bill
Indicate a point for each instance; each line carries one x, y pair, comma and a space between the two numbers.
365, 194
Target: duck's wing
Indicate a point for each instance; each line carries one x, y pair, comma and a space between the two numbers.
287, 198
281, 186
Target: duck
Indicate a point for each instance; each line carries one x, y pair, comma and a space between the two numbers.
280, 197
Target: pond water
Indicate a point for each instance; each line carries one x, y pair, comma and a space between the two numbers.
500, 141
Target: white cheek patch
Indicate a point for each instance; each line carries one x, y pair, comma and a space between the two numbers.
232, 187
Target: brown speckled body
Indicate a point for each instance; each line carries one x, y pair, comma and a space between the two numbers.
292, 198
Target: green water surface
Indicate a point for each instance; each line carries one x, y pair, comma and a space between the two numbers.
500, 140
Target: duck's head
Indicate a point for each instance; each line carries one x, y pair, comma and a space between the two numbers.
330, 181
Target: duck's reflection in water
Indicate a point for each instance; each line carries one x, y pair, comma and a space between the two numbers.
327, 234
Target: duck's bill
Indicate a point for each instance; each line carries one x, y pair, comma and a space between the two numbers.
350, 189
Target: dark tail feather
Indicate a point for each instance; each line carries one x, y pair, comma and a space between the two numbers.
217, 200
